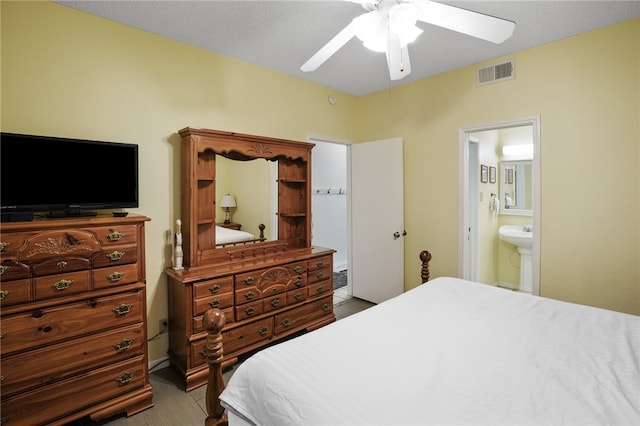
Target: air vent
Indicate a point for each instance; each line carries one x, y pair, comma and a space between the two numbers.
494, 73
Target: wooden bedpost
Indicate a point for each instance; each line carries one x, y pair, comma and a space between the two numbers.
425, 257
213, 321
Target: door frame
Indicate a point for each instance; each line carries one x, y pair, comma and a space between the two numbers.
464, 256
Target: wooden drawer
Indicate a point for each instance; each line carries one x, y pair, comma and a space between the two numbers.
317, 275
61, 265
298, 317
246, 335
320, 287
11, 242
297, 268
46, 326
297, 281
14, 292
248, 310
56, 362
120, 255
12, 270
62, 284
247, 294
220, 301
115, 275
65, 396
197, 321
295, 296
274, 302
211, 287
117, 234
58, 243
269, 281
319, 263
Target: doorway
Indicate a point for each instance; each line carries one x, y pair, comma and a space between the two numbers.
476, 193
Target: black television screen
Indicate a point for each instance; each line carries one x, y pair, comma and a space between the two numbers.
71, 176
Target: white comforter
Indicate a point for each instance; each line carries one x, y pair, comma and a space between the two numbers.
450, 352
227, 236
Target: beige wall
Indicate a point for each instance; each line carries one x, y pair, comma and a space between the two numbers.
67, 73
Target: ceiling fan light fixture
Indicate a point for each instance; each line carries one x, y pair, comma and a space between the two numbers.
402, 21
371, 29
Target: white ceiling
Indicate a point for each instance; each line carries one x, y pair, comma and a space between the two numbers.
282, 35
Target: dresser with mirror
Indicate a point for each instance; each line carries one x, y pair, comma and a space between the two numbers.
269, 287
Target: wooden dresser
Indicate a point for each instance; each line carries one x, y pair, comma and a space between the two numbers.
268, 290
73, 330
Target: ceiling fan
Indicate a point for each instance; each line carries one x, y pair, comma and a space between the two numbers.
390, 25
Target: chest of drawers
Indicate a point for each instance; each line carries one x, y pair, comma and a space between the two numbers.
73, 319
263, 301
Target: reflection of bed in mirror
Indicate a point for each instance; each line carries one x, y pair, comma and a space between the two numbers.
226, 237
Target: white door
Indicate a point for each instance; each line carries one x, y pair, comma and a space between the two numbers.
377, 220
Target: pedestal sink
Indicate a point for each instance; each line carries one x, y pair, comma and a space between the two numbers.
521, 237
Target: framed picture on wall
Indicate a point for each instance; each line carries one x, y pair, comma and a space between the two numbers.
484, 173
492, 174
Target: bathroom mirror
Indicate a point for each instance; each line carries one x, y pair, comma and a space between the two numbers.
516, 187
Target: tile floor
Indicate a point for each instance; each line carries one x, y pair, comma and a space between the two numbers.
175, 407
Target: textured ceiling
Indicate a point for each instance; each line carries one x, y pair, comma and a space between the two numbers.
282, 35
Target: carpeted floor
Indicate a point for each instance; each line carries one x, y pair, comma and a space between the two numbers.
339, 279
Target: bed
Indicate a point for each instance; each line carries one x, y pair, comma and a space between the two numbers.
231, 237
447, 352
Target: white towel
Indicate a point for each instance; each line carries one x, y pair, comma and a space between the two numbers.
494, 205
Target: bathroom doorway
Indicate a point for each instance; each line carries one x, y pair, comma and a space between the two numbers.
480, 158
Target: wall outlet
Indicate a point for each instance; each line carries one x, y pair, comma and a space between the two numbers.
163, 326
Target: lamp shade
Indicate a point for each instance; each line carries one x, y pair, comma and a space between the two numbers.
228, 201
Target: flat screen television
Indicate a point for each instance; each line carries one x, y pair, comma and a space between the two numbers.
66, 177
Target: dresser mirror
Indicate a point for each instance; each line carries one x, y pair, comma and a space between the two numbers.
252, 183
516, 187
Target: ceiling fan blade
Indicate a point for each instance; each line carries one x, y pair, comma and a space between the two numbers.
495, 30
330, 48
397, 58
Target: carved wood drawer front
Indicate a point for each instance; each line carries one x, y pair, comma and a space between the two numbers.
115, 275
212, 287
196, 322
247, 295
61, 265
295, 296
119, 234
248, 310
80, 391
297, 268
12, 270
297, 282
14, 292
62, 284
58, 243
116, 255
297, 317
40, 327
220, 301
31, 369
274, 302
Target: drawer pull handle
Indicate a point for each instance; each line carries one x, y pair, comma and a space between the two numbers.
319, 289
114, 236
320, 274
122, 309
298, 269
249, 295
263, 331
3, 245
320, 264
286, 322
4, 269
298, 296
116, 276
62, 264
275, 302
325, 307
125, 378
123, 345
116, 255
214, 303
2, 378
4, 293
249, 311
298, 282
61, 285
214, 289
2, 334
249, 280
